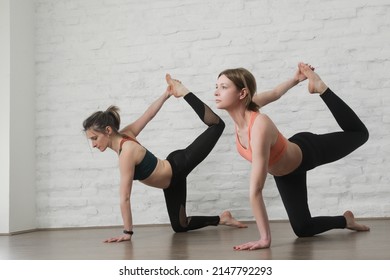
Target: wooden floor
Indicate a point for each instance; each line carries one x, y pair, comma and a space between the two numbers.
212, 243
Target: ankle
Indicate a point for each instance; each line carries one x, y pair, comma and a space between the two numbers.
323, 88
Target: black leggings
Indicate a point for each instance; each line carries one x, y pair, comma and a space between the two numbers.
318, 150
184, 161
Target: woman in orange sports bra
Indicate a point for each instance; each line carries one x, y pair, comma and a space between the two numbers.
277, 149
259, 141
170, 174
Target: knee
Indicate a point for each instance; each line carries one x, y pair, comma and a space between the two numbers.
216, 129
365, 135
361, 137
302, 230
221, 123
302, 233
178, 228
220, 126
179, 225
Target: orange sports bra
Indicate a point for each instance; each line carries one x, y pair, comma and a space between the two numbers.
277, 150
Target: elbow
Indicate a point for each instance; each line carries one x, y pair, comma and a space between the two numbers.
255, 195
125, 199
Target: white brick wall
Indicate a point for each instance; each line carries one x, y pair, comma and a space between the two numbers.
91, 54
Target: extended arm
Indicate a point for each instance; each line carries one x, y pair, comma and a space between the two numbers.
137, 126
269, 96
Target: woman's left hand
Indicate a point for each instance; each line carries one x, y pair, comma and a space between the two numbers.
125, 237
253, 245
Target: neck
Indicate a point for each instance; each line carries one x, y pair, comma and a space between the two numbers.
240, 117
115, 141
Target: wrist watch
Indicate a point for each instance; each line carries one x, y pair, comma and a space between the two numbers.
130, 232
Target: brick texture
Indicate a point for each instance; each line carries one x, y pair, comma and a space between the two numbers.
91, 54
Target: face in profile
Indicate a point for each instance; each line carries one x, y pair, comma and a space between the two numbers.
226, 93
98, 139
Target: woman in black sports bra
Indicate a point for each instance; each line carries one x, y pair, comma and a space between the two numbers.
138, 163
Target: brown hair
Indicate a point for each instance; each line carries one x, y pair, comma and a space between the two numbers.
242, 78
100, 120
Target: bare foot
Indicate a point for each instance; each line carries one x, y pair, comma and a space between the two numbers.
176, 87
316, 85
351, 223
299, 76
227, 219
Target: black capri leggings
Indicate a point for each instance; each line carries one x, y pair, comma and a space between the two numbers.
318, 150
184, 161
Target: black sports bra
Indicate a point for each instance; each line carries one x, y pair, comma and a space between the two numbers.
146, 166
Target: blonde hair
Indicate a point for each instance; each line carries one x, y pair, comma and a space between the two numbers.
242, 78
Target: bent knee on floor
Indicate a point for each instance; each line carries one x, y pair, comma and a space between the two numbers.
302, 230
179, 226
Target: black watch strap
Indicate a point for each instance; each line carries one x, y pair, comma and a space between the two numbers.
130, 232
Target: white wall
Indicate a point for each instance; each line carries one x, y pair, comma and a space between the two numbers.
18, 117
4, 114
91, 54
22, 137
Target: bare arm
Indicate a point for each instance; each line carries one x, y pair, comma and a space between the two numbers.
137, 126
269, 96
125, 193
126, 166
261, 143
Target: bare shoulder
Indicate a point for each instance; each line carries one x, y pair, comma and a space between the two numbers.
128, 131
131, 147
264, 129
262, 136
262, 121
131, 153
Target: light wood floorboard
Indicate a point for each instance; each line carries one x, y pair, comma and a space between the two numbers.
161, 243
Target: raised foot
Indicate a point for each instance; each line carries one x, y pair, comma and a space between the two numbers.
176, 87
227, 219
316, 85
352, 224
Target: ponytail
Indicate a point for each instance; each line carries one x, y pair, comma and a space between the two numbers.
100, 120
113, 111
